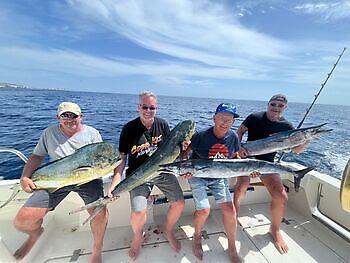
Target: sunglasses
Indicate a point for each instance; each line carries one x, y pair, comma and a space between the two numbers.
67, 115
145, 107
275, 104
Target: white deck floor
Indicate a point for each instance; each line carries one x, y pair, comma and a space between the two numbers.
308, 240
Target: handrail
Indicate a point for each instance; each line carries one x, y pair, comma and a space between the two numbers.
18, 153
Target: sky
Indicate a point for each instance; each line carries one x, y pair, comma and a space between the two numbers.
249, 49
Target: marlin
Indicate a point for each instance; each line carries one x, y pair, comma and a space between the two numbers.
226, 168
89, 162
167, 152
283, 141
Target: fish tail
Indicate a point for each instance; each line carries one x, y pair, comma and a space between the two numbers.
103, 201
300, 175
16, 189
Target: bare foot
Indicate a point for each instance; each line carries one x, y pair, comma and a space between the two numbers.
197, 247
279, 242
135, 248
27, 245
234, 257
96, 257
173, 242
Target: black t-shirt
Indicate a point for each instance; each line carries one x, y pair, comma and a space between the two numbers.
259, 127
139, 143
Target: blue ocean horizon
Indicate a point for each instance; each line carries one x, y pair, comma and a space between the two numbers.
25, 113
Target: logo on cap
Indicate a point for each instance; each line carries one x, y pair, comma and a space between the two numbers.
227, 107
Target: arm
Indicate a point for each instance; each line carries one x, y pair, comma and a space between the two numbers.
242, 129
33, 163
118, 171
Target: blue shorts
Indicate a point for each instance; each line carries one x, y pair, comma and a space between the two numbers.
89, 192
218, 187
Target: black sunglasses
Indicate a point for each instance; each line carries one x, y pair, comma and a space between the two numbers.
275, 104
67, 115
145, 107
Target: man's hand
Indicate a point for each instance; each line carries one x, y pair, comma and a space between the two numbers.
27, 184
185, 150
185, 145
242, 153
110, 195
187, 175
254, 174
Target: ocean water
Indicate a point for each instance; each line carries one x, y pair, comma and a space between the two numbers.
24, 114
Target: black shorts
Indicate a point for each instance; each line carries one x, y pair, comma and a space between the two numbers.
89, 192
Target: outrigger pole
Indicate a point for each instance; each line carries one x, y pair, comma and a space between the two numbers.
316, 95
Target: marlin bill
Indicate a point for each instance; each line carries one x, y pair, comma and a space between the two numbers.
226, 168
167, 152
283, 141
86, 164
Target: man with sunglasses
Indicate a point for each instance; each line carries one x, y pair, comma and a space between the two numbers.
260, 125
138, 140
58, 141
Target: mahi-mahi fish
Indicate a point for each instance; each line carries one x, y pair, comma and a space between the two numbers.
226, 168
89, 162
283, 141
167, 152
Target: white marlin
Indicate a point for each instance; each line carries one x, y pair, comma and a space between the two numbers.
283, 141
226, 168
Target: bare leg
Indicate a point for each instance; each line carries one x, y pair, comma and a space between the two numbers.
29, 220
138, 220
200, 216
173, 216
230, 223
240, 191
98, 228
278, 205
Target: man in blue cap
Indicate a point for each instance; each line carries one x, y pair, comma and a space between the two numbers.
218, 141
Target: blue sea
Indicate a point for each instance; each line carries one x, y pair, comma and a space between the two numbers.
24, 114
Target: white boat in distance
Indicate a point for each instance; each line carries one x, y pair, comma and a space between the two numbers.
315, 227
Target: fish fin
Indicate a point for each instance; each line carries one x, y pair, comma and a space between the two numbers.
16, 189
300, 175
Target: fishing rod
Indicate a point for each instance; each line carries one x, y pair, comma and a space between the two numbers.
316, 96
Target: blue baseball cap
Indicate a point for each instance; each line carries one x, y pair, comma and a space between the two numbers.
227, 107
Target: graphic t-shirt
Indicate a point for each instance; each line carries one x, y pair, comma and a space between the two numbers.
205, 144
259, 127
139, 143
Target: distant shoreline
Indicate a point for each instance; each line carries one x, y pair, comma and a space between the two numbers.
23, 87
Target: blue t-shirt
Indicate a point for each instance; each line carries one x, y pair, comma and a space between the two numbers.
205, 144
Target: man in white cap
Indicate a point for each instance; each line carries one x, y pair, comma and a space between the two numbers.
58, 141
260, 125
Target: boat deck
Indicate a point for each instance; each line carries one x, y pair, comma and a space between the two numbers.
308, 241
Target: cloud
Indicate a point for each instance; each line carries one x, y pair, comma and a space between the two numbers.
202, 31
329, 10
193, 43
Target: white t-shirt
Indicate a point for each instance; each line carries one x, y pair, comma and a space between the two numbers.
54, 142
